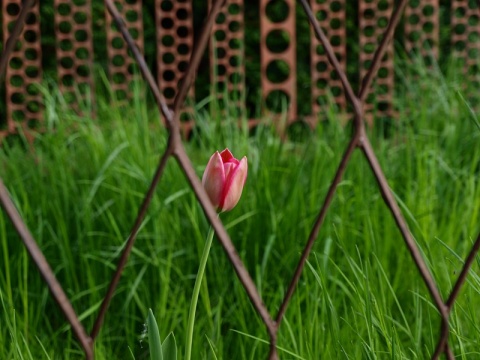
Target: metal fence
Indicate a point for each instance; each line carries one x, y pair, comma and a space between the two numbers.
278, 76
175, 149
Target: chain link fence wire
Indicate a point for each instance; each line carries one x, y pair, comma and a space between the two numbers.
175, 150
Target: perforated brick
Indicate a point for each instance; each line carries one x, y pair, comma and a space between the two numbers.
227, 70
465, 24
122, 67
74, 47
422, 28
23, 73
174, 20
373, 20
278, 59
325, 82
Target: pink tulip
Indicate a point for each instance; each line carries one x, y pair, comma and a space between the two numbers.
224, 179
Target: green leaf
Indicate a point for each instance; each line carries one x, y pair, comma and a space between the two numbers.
169, 347
154, 342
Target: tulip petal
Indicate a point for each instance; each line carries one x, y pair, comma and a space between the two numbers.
234, 185
213, 179
227, 157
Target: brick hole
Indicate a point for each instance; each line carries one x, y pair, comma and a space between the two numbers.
460, 45
428, 10
83, 71
235, 78
382, 22
369, 48
382, 89
234, 44
117, 42
473, 37
134, 33
182, 66
220, 18
277, 41
221, 70
118, 60
321, 84
383, 5
166, 5
167, 23
320, 50
473, 20
13, 9
336, 40
182, 31
81, 53
413, 19
220, 86
220, 53
414, 36
31, 19
234, 9
119, 78
336, 91
336, 6
460, 12
234, 26
322, 66
220, 35
33, 124
132, 68
65, 27
33, 106
131, 16
16, 81
277, 11
168, 40
278, 71
277, 101
168, 75
369, 31
368, 14
321, 15
473, 53
30, 36
80, 17
169, 92
32, 72
234, 60
383, 73
81, 35
183, 49
31, 54
66, 62
67, 80
18, 115
17, 98
66, 45
335, 24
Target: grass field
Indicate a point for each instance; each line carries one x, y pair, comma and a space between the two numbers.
360, 296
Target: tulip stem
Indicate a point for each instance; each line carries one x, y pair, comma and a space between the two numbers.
196, 293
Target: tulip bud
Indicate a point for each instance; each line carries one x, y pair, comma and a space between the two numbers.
224, 178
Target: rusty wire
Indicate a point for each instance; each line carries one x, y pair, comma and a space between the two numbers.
175, 149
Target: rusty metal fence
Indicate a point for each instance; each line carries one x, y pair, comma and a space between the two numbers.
378, 59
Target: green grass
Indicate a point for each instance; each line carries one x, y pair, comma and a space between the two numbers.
360, 296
